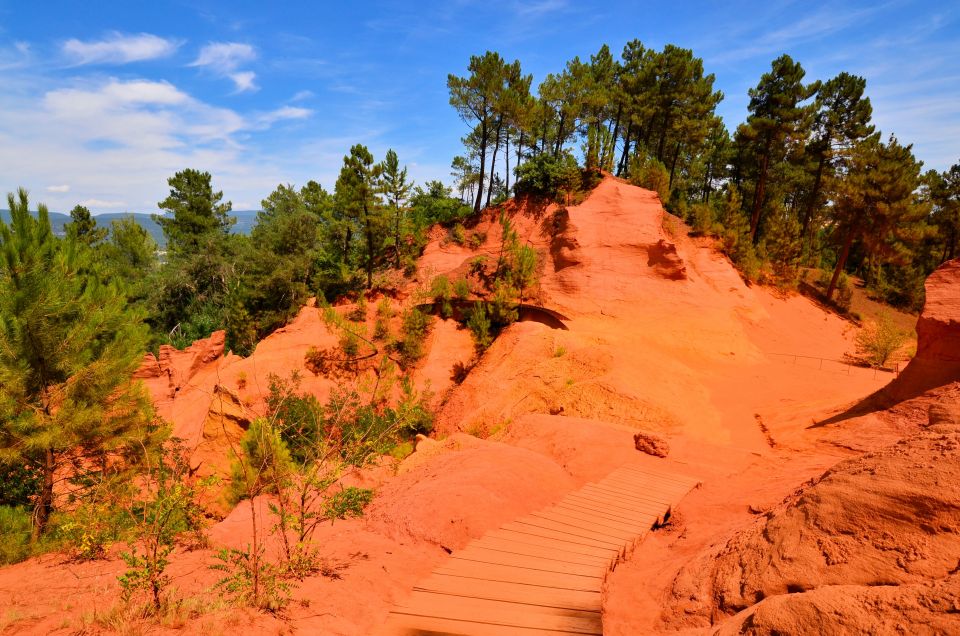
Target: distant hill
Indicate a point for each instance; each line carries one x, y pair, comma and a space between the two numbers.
246, 219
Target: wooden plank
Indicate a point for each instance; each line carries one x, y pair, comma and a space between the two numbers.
633, 526
655, 495
597, 508
568, 546
516, 574
619, 504
626, 502
511, 592
513, 547
641, 488
656, 502
493, 557
590, 524
407, 625
500, 613
612, 540
563, 536
684, 480
641, 484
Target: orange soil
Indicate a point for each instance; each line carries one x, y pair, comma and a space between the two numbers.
663, 336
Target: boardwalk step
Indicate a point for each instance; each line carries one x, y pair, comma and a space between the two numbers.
542, 573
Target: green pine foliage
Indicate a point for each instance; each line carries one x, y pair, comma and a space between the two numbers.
69, 343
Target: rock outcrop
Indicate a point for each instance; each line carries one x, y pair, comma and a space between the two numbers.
879, 534
938, 337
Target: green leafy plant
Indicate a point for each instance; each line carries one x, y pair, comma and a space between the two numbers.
348, 502
880, 339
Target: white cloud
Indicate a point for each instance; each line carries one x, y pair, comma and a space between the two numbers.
244, 81
301, 95
99, 203
118, 48
225, 59
285, 112
117, 141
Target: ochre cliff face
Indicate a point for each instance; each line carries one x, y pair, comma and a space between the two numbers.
938, 329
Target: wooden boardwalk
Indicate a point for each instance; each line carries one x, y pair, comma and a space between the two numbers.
542, 574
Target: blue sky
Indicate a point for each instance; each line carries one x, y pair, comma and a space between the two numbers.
102, 101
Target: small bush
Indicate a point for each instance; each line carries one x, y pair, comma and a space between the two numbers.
476, 240
359, 311
479, 325
250, 580
349, 502
458, 234
879, 340
547, 176
442, 292
349, 343
647, 172
461, 288
263, 463
416, 325
15, 532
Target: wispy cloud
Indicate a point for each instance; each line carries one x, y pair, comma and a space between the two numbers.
118, 48
100, 204
116, 141
225, 59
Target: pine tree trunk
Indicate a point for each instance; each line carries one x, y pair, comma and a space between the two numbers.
506, 158
559, 144
45, 503
814, 197
673, 165
614, 134
483, 164
493, 159
622, 168
758, 194
369, 228
396, 233
844, 254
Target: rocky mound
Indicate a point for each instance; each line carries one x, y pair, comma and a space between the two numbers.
877, 536
938, 337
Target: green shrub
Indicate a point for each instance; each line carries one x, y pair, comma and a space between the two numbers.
349, 343
15, 533
547, 176
19, 484
458, 234
647, 172
441, 291
298, 416
879, 340
476, 240
359, 311
263, 464
461, 288
349, 502
411, 348
381, 328
479, 325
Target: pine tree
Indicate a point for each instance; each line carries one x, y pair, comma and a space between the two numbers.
356, 196
776, 120
84, 227
842, 120
475, 98
395, 187
876, 202
197, 214
68, 347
